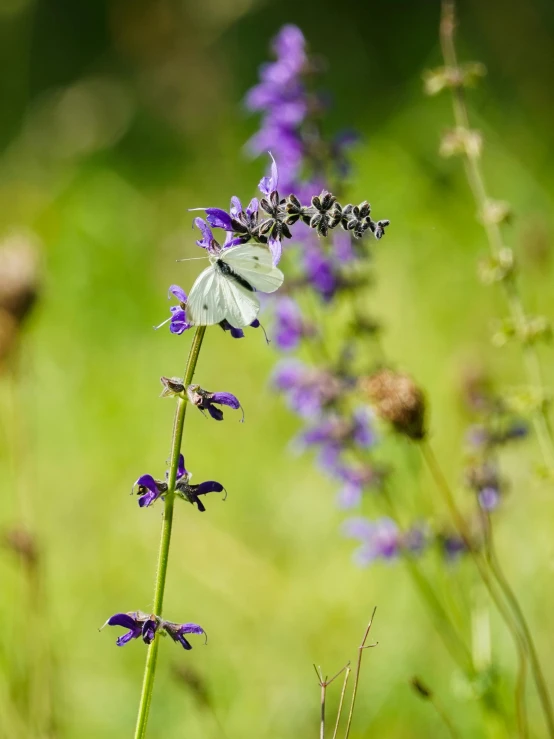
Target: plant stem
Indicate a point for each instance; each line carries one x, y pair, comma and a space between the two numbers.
357, 675
476, 181
343, 691
165, 540
513, 619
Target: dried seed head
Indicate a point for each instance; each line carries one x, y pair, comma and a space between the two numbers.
398, 400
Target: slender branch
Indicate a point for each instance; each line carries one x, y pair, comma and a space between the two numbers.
541, 420
165, 539
341, 702
514, 618
323, 684
357, 675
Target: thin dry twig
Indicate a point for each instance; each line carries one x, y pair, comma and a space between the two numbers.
361, 648
323, 684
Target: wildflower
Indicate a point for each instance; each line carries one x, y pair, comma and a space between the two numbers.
178, 320
484, 478
137, 623
273, 228
382, 539
206, 401
150, 489
356, 480
191, 492
208, 241
290, 326
320, 271
242, 223
172, 386
143, 625
308, 389
177, 632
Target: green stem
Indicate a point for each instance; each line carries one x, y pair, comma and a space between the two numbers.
512, 614
541, 421
165, 540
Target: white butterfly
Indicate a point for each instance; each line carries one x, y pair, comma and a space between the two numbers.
227, 288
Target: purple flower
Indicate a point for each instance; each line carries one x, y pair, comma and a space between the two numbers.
356, 480
206, 401
208, 241
238, 333
177, 632
274, 227
382, 539
150, 489
320, 270
145, 625
290, 327
191, 492
242, 223
178, 320
339, 431
452, 545
137, 623
308, 389
489, 498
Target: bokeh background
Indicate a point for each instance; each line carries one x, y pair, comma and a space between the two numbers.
116, 117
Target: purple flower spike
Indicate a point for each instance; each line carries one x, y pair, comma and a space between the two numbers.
128, 621
206, 401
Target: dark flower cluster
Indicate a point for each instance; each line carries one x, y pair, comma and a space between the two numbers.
146, 626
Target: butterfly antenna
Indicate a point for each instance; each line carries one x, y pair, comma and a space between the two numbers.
190, 259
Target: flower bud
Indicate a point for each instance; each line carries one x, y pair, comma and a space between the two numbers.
172, 386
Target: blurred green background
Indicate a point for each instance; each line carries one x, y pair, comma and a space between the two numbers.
117, 117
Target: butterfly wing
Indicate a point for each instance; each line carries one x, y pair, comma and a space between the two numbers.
253, 262
206, 303
241, 305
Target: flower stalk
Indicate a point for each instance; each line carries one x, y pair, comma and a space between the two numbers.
165, 539
491, 225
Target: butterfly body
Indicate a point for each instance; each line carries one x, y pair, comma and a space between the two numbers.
226, 290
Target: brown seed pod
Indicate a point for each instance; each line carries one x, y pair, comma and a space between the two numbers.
397, 400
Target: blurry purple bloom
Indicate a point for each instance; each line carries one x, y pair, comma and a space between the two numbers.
206, 401
308, 389
356, 480
320, 271
382, 539
489, 498
177, 632
290, 327
363, 428
343, 247
452, 545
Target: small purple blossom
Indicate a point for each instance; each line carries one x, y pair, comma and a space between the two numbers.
137, 623
320, 270
207, 401
382, 539
308, 390
178, 320
290, 326
177, 632
147, 626
489, 498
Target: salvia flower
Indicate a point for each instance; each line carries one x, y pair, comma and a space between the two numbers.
139, 624
149, 489
308, 390
178, 323
290, 326
382, 539
205, 400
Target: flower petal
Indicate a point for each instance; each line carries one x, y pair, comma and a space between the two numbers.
269, 184
218, 218
181, 470
191, 628
178, 293
147, 481
122, 619
225, 399
210, 486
